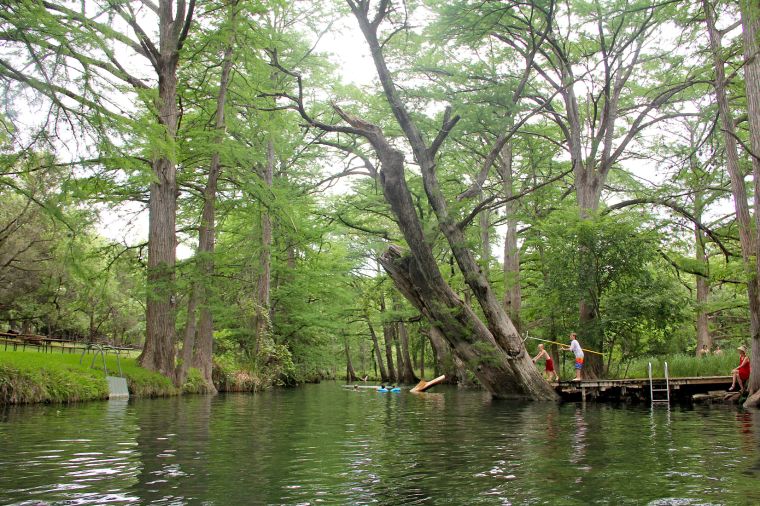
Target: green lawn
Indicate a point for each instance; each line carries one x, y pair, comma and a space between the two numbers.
34, 376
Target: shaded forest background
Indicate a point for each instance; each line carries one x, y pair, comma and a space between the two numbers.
587, 164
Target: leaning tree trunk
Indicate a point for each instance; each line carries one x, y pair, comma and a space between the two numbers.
470, 340
495, 353
750, 16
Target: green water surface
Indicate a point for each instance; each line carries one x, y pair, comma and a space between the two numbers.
323, 444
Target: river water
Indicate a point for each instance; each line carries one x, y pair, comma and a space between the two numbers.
323, 444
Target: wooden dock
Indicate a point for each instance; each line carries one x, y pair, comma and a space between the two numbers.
637, 389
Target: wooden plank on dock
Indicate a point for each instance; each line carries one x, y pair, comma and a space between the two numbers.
632, 388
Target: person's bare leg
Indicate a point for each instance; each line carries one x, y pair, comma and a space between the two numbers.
734, 377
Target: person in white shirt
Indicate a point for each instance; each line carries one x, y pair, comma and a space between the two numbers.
575, 347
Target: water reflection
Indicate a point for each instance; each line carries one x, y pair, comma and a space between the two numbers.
324, 444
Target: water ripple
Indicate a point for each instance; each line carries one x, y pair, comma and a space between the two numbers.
322, 444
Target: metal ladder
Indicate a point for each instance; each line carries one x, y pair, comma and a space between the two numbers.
117, 385
658, 391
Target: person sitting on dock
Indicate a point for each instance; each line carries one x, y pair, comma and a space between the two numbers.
741, 373
575, 347
549, 367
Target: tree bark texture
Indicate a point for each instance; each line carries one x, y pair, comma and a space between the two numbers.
378, 354
750, 16
703, 284
485, 242
444, 361
188, 343
406, 370
500, 373
159, 351
350, 373
747, 238
263, 303
202, 345
512, 292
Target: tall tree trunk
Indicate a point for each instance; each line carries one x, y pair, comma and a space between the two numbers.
204, 343
388, 338
262, 323
399, 356
444, 360
747, 237
512, 292
703, 284
485, 242
159, 352
350, 373
188, 343
406, 371
750, 15
378, 354
422, 358
363, 356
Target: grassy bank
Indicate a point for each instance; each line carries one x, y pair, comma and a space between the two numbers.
32, 376
682, 365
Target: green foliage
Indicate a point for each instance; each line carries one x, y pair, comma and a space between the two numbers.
638, 305
194, 384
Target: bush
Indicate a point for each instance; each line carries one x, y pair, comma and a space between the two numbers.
194, 383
